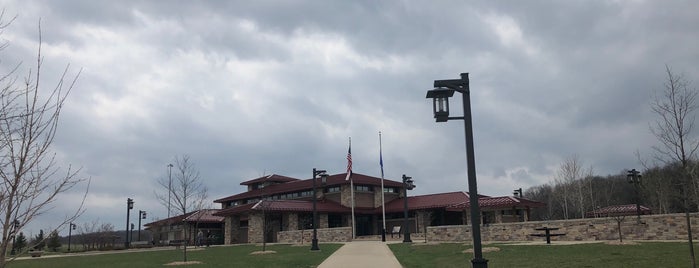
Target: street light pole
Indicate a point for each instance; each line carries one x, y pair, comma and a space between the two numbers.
141, 215
634, 177
129, 207
70, 233
440, 95
407, 185
314, 241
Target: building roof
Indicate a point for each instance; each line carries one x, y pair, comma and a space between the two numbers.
618, 210
269, 178
499, 202
300, 185
286, 206
201, 216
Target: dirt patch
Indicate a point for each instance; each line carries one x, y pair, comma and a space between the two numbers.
263, 252
177, 263
485, 249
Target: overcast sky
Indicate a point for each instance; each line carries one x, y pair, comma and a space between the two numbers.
248, 88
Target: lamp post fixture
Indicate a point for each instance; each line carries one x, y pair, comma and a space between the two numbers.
440, 96
518, 193
141, 215
324, 176
129, 207
70, 233
15, 226
407, 185
634, 177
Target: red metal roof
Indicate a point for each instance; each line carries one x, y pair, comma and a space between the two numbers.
618, 210
202, 216
269, 178
442, 200
301, 185
499, 202
287, 205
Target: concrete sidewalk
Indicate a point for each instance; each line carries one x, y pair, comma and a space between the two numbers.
362, 254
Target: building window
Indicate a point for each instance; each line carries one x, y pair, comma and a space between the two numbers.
390, 190
243, 224
307, 193
305, 221
334, 220
362, 188
334, 189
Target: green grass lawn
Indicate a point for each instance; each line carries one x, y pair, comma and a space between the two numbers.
232, 256
651, 254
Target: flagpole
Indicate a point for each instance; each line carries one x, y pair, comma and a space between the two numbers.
383, 203
349, 177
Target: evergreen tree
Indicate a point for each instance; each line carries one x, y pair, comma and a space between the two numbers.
20, 242
54, 242
39, 242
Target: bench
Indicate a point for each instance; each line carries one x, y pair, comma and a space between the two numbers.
35, 254
395, 230
547, 233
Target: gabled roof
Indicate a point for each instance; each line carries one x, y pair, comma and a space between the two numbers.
429, 201
286, 206
499, 202
201, 216
269, 178
618, 210
301, 185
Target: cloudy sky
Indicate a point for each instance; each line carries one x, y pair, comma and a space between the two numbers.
248, 88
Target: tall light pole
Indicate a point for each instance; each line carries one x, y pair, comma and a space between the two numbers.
169, 188
141, 215
407, 185
323, 175
440, 96
634, 177
129, 207
70, 233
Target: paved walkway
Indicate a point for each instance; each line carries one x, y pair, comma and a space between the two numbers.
362, 254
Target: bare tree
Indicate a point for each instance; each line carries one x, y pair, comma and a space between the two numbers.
187, 191
31, 180
675, 106
619, 219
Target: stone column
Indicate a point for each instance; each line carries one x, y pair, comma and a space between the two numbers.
293, 221
255, 228
323, 220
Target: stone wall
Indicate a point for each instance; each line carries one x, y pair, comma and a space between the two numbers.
339, 234
653, 227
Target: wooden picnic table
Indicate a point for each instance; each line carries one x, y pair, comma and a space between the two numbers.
547, 233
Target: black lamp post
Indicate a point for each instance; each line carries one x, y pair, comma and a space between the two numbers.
634, 177
129, 207
15, 225
518, 193
169, 188
407, 185
70, 233
141, 215
440, 96
323, 175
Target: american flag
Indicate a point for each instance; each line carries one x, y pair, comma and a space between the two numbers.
349, 161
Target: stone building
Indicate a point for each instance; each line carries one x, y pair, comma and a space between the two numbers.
185, 227
277, 206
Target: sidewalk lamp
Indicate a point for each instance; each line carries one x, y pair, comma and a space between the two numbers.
129, 207
141, 215
634, 178
70, 233
324, 177
407, 185
444, 89
518, 193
